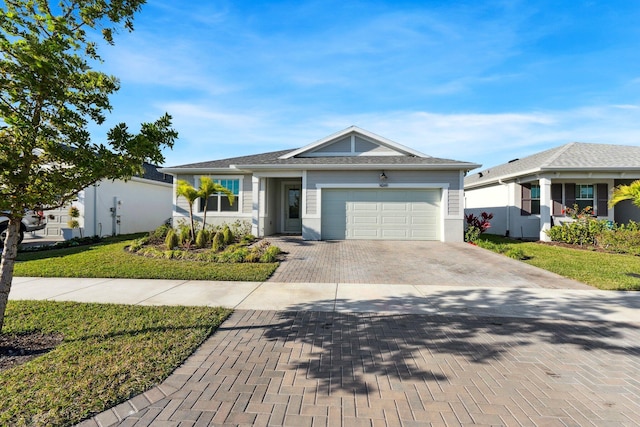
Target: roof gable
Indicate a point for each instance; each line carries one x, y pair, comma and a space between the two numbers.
352, 142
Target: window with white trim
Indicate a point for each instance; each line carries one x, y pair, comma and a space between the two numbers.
219, 202
584, 196
535, 199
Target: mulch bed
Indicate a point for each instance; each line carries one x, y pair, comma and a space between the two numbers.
18, 349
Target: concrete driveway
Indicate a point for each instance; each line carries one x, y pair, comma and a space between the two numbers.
407, 263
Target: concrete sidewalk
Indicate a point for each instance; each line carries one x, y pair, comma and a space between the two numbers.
530, 303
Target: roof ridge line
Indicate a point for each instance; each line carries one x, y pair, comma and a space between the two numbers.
558, 154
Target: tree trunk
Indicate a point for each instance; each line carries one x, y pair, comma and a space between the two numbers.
9, 254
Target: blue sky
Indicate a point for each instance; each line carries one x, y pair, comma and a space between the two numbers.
480, 81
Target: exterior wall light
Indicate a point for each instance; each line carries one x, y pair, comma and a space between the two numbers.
383, 179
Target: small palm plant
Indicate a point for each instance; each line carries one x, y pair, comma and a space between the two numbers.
626, 192
74, 214
186, 190
208, 188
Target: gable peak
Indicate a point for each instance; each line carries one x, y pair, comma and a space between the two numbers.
353, 141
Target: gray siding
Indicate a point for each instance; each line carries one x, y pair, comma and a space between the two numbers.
341, 146
452, 178
364, 146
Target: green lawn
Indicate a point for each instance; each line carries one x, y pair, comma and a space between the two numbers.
598, 269
109, 354
109, 259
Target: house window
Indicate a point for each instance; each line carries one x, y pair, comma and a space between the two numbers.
530, 199
219, 202
584, 196
535, 199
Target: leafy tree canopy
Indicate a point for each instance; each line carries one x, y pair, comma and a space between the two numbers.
48, 95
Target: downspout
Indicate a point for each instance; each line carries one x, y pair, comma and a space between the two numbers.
507, 207
95, 210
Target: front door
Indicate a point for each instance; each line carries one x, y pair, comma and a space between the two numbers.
292, 212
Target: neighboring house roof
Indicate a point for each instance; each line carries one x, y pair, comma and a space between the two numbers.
152, 173
312, 156
576, 156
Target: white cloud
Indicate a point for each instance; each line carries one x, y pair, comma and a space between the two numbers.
489, 139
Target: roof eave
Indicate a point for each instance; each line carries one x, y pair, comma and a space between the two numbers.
507, 177
521, 174
363, 166
189, 171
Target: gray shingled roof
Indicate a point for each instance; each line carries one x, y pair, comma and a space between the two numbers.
574, 156
151, 172
272, 159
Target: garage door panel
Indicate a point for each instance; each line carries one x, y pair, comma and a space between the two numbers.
381, 214
364, 220
363, 233
394, 220
395, 235
363, 206
395, 207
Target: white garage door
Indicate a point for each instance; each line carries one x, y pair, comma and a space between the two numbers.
386, 214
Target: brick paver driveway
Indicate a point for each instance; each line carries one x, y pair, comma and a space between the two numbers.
331, 368
336, 369
410, 263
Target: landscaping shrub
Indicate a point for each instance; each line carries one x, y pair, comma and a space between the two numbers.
270, 254
584, 231
227, 235
171, 240
516, 253
218, 242
621, 240
138, 244
202, 238
172, 247
476, 226
158, 235
240, 228
248, 238
184, 233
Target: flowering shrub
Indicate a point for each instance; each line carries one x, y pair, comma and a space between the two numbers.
476, 226
578, 214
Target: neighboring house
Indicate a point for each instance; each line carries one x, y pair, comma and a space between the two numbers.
529, 195
140, 204
349, 185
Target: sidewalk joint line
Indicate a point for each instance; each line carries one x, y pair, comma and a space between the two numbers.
160, 293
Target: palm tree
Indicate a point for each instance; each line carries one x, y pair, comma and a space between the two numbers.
207, 188
626, 192
187, 191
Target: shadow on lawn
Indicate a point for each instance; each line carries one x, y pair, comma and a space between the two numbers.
344, 350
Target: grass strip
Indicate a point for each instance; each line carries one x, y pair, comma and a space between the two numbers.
602, 270
109, 354
110, 260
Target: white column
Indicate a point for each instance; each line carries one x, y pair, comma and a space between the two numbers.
545, 208
255, 205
